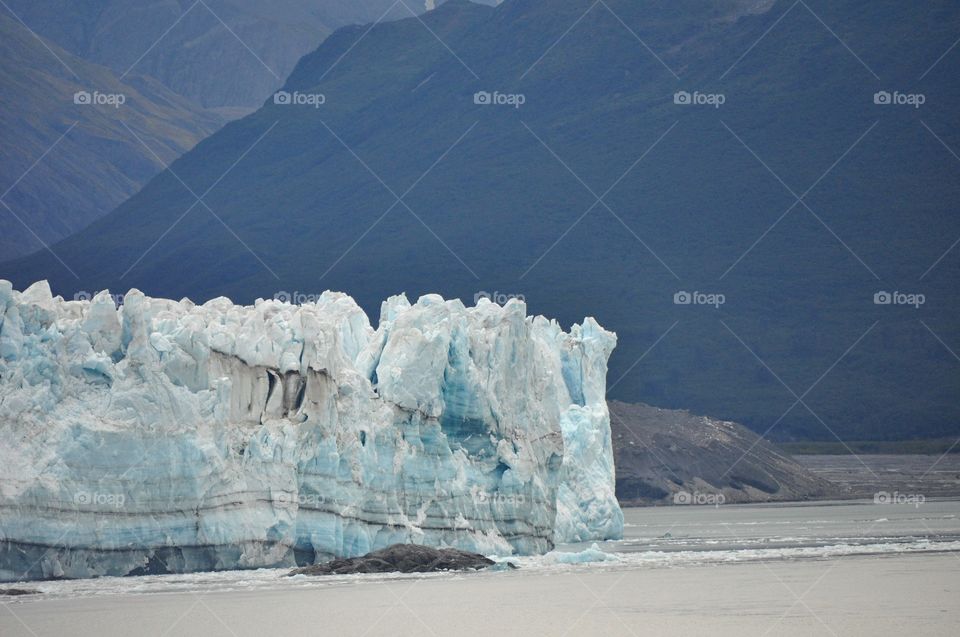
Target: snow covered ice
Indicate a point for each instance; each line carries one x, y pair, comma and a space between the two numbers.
165, 436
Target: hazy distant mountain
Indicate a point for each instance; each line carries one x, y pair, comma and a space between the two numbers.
63, 163
220, 53
227, 55
503, 197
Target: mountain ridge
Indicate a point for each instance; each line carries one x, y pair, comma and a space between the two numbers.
602, 196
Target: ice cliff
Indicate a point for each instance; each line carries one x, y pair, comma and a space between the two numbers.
165, 436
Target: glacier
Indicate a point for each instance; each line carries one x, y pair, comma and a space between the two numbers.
163, 436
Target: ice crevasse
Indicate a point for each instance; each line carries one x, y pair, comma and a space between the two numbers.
165, 436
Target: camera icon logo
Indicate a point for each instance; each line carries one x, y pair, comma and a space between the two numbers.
882, 97
882, 497
283, 297
82, 497
82, 97
82, 295
482, 97
882, 298
281, 97
682, 497
681, 97
682, 298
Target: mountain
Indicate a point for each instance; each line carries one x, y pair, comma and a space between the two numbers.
666, 456
63, 164
219, 53
187, 67
778, 199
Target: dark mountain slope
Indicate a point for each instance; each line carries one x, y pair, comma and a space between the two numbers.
666, 456
505, 199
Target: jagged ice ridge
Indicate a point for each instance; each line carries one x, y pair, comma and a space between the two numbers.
164, 436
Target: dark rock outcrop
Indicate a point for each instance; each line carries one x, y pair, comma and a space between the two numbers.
16, 592
401, 558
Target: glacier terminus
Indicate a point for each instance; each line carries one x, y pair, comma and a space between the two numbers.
163, 436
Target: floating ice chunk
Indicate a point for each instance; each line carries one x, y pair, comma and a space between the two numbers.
592, 554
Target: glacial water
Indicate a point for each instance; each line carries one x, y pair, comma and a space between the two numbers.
654, 537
